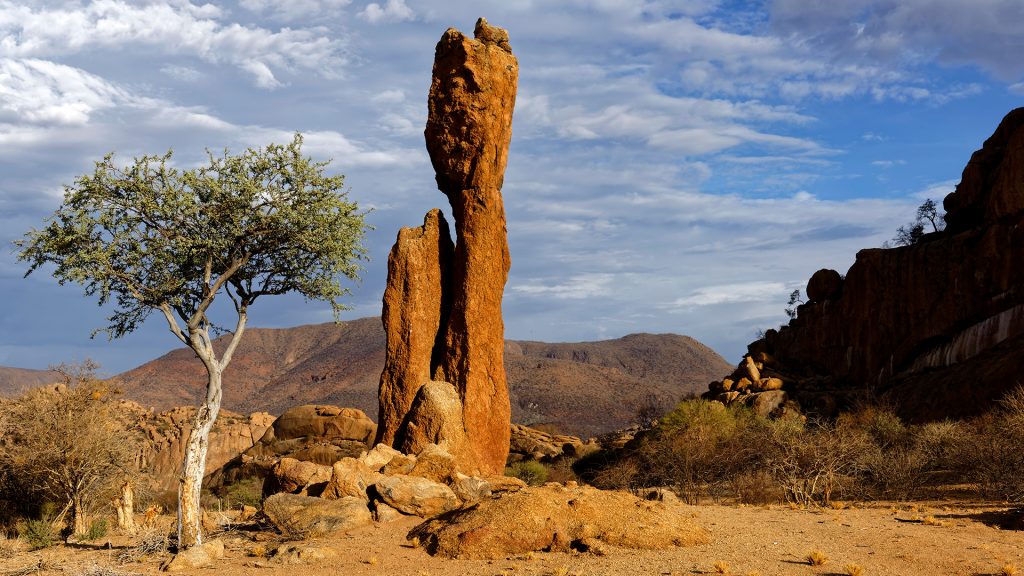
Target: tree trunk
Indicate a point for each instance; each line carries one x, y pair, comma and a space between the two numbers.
191, 482
78, 515
125, 507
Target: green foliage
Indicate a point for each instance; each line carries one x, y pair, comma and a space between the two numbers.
245, 492
150, 236
97, 529
530, 471
38, 533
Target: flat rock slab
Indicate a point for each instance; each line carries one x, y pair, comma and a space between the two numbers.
556, 518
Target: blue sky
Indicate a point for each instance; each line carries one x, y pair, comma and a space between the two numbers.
675, 166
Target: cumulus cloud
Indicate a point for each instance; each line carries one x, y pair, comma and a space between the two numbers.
177, 27
983, 33
731, 294
391, 11
295, 9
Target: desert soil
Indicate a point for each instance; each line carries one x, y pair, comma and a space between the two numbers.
923, 539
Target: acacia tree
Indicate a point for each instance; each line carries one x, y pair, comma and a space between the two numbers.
149, 237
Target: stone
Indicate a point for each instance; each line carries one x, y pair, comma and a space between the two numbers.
742, 384
308, 516
504, 484
824, 285
401, 464
416, 496
291, 553
471, 489
327, 422
765, 404
434, 463
350, 477
296, 477
383, 513
377, 458
750, 367
727, 384
556, 518
770, 384
202, 556
435, 417
415, 306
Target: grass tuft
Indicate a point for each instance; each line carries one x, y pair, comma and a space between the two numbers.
816, 558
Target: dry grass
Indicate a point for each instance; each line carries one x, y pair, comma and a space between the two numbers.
854, 570
721, 567
816, 558
1008, 570
932, 521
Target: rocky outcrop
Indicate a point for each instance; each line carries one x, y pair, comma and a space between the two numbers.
443, 321
531, 444
935, 328
310, 516
167, 432
415, 306
558, 518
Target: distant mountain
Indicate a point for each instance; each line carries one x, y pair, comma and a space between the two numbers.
580, 388
14, 381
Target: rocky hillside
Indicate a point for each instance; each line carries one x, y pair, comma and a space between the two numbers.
14, 381
935, 328
580, 388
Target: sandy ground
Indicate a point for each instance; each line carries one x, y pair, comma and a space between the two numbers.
935, 539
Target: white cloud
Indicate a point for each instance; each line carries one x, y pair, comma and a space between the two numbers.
292, 10
731, 294
391, 11
174, 27
575, 288
46, 93
888, 163
182, 73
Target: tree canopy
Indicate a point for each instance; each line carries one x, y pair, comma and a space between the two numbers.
151, 236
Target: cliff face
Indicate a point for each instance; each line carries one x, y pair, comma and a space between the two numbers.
935, 328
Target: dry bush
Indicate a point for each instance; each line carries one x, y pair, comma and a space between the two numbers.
991, 456
816, 464
68, 445
854, 570
816, 558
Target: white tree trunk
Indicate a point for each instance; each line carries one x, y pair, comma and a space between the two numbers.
191, 482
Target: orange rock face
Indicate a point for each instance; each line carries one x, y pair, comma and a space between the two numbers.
413, 314
469, 127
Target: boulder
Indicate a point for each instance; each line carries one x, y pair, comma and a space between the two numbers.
753, 374
471, 489
377, 458
296, 477
416, 496
308, 516
435, 417
401, 464
327, 422
301, 553
434, 463
350, 477
556, 518
383, 513
766, 404
202, 556
824, 285
770, 384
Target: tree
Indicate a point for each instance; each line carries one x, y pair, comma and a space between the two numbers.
68, 445
795, 300
912, 232
150, 237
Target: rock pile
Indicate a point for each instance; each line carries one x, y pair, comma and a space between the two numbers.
442, 303
380, 485
532, 444
757, 384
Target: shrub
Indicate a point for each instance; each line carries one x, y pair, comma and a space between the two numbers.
816, 558
39, 533
530, 471
245, 492
97, 529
